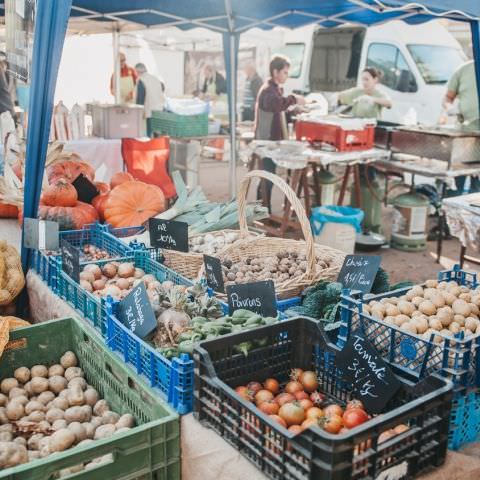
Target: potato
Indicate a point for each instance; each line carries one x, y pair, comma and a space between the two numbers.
101, 407
17, 392
431, 283
20, 441
28, 388
85, 442
461, 307
401, 319
126, 420
454, 327
455, 290
474, 310
427, 307
104, 431
12, 454
449, 297
6, 436
421, 324
435, 323
61, 440
33, 406
14, 410
78, 430
43, 425
389, 319
437, 300
89, 429
22, 374
409, 327
478, 329
405, 307
392, 310
33, 455
377, 313
78, 381
417, 290
55, 370
69, 359
34, 441
56, 383
39, 371
96, 421
460, 319
63, 394
61, 403
3, 400
122, 430
59, 424
445, 315
87, 412
36, 416
416, 301
75, 396
7, 385
3, 416
470, 323
46, 397
72, 372
75, 414
110, 417
91, 396
465, 296
54, 414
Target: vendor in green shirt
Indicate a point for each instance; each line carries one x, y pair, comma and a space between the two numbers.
366, 101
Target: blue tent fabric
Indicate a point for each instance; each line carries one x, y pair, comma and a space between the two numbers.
50, 29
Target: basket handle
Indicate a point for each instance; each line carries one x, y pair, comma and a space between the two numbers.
294, 202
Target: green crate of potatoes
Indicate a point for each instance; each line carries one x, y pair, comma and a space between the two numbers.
149, 450
174, 125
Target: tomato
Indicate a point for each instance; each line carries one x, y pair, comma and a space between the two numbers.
245, 393
305, 403
309, 422
300, 395
295, 374
270, 407
254, 387
309, 381
279, 420
295, 429
263, 396
314, 412
317, 398
354, 404
332, 424
292, 413
293, 386
272, 385
284, 398
354, 417
333, 409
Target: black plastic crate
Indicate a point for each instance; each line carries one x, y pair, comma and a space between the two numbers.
314, 453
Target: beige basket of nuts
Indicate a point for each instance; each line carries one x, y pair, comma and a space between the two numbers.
291, 264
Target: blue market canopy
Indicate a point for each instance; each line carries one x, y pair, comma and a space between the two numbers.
227, 17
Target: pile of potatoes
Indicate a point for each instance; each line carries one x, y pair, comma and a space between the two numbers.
444, 307
44, 410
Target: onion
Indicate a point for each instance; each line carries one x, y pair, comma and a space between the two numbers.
99, 284
123, 283
149, 278
126, 270
138, 273
87, 276
109, 270
131, 281
111, 290
94, 269
86, 285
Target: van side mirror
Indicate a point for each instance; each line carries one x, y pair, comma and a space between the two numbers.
406, 82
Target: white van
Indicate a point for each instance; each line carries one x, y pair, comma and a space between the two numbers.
417, 62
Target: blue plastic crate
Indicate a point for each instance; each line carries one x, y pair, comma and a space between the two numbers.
465, 420
92, 307
456, 358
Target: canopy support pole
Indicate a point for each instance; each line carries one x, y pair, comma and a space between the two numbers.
475, 29
51, 21
116, 65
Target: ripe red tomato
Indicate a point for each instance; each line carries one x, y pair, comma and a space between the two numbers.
263, 396
300, 395
254, 387
314, 412
279, 420
354, 417
284, 398
309, 381
295, 374
332, 424
354, 404
317, 398
245, 393
272, 385
295, 429
292, 413
293, 386
305, 403
270, 407
333, 409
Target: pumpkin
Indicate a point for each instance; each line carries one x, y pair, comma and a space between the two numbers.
99, 203
102, 187
69, 218
119, 178
8, 211
133, 203
69, 170
60, 194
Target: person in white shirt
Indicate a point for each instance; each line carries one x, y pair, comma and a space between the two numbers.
150, 92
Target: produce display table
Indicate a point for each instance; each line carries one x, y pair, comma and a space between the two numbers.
463, 219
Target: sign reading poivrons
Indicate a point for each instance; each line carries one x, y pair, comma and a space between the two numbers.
168, 234
359, 271
258, 297
372, 380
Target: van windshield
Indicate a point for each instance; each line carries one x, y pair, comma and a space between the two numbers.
436, 63
294, 52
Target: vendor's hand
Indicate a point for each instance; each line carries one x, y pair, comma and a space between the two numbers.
300, 100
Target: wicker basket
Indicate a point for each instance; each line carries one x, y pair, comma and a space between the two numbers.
189, 264
268, 246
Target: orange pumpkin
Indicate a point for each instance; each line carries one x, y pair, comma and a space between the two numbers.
69, 218
8, 211
102, 187
99, 203
60, 194
70, 170
133, 203
119, 178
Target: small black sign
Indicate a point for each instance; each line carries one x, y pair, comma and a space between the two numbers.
372, 380
358, 272
258, 297
213, 273
86, 189
70, 260
135, 312
168, 234
40, 234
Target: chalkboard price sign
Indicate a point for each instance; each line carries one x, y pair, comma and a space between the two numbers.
258, 297
213, 273
168, 234
372, 380
358, 272
135, 312
86, 190
70, 260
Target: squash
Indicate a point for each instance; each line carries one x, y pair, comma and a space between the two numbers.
8, 211
119, 178
99, 203
133, 203
102, 187
69, 218
60, 194
69, 170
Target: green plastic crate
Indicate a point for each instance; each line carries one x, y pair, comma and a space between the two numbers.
174, 125
151, 450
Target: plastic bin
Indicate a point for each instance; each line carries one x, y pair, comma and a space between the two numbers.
455, 358
336, 226
150, 450
174, 125
314, 453
465, 420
